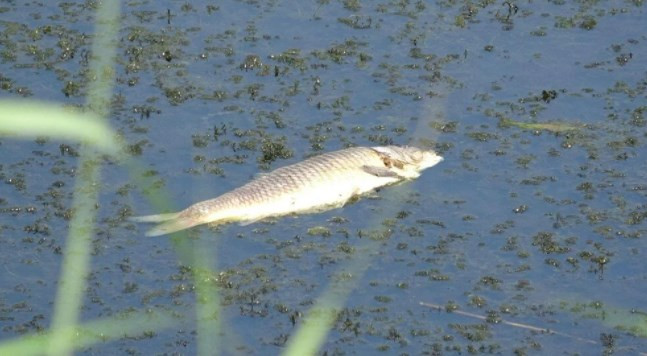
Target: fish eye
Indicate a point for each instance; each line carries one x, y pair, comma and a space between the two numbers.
416, 155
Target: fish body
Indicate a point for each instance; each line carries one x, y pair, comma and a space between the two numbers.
319, 183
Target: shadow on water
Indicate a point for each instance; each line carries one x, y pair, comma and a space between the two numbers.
529, 236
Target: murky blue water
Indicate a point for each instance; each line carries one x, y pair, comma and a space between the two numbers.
540, 228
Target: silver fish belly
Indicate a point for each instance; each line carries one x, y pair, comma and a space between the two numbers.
319, 183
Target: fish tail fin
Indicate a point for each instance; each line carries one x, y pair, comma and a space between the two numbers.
154, 218
170, 223
171, 226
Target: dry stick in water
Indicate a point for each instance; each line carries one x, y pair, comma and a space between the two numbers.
518, 325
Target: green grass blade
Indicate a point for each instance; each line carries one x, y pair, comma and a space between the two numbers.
195, 254
91, 333
207, 302
320, 319
76, 264
31, 119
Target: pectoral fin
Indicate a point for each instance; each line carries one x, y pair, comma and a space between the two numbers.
248, 222
380, 171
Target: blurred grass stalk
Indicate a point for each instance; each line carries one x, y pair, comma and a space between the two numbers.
29, 119
207, 306
76, 263
320, 319
93, 332
193, 254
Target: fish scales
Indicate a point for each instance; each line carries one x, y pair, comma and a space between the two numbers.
299, 179
318, 183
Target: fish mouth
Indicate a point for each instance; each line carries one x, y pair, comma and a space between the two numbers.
430, 159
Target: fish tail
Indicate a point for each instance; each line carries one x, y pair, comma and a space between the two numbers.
170, 223
174, 225
154, 218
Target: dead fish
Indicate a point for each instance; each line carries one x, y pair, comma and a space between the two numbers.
316, 184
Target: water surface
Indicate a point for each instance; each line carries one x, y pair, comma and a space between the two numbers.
533, 226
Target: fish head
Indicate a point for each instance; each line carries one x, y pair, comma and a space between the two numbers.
407, 161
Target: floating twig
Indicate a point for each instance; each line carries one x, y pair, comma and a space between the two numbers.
510, 323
